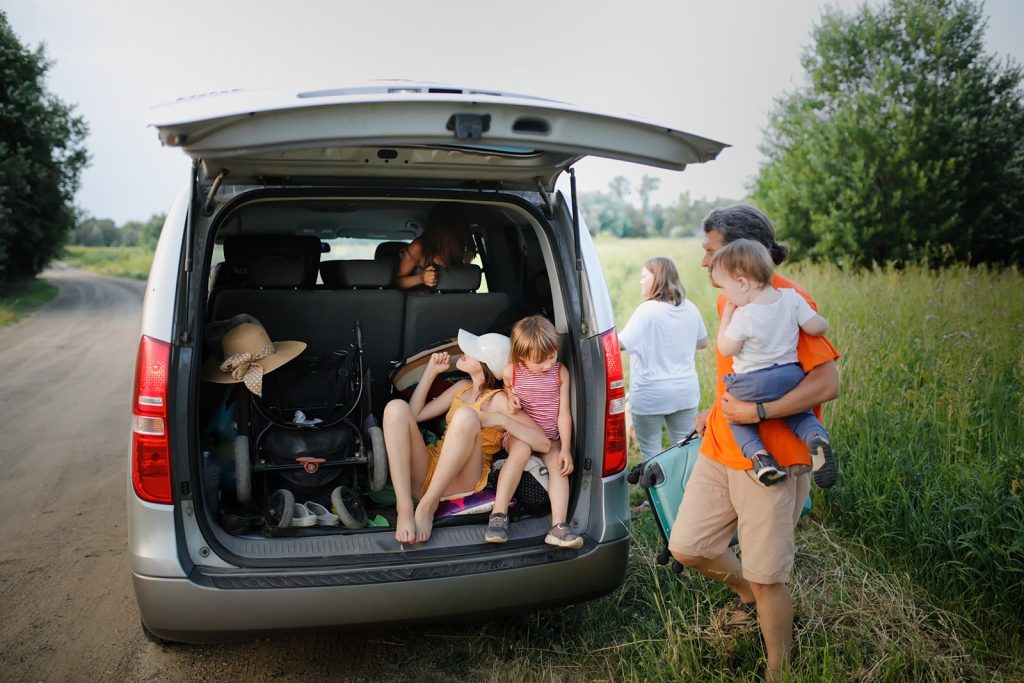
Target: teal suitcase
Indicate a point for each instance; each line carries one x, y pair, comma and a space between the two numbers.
663, 477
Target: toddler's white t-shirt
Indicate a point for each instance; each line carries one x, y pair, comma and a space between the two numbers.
769, 332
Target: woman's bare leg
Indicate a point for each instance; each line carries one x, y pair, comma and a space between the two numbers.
459, 466
407, 463
558, 486
510, 474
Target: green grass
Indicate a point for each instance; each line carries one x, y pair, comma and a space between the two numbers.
852, 623
930, 431
130, 262
20, 298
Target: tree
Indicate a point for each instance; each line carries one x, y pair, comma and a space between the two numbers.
907, 142
41, 157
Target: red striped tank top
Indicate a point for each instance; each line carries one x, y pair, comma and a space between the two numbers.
539, 396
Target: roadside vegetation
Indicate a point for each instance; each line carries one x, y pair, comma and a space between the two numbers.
21, 297
130, 262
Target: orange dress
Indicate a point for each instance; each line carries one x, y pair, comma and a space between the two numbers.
490, 441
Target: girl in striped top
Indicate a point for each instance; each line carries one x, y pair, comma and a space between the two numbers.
539, 385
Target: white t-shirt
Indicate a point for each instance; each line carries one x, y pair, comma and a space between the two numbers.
768, 331
661, 340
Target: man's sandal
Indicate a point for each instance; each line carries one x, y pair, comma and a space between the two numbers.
737, 616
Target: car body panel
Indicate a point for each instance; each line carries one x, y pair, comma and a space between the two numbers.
193, 610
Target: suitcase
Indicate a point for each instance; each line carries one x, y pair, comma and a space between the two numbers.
663, 477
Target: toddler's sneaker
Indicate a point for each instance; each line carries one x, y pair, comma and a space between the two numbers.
766, 469
497, 528
562, 536
823, 463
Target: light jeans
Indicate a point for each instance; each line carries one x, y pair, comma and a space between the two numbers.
648, 429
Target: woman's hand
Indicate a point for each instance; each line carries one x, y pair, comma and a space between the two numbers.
439, 362
430, 276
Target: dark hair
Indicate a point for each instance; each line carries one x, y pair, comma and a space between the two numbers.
665, 285
491, 381
446, 238
742, 221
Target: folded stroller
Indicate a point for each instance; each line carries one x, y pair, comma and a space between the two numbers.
312, 433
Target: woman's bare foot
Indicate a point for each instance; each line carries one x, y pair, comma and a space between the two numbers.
405, 528
424, 518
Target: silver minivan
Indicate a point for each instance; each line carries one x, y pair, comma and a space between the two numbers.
354, 172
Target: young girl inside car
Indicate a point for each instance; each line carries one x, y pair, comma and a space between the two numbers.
539, 385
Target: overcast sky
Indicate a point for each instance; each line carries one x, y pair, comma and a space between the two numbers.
711, 68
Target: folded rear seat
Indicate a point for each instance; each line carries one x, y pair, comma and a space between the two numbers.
431, 316
276, 294
360, 291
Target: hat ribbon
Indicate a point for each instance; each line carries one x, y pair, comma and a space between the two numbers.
245, 367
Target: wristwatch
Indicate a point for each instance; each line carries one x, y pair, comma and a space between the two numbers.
760, 412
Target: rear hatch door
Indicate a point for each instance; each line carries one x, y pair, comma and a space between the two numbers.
407, 131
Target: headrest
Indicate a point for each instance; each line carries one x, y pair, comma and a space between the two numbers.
462, 278
274, 261
388, 250
357, 274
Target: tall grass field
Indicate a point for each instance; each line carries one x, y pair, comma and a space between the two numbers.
130, 262
929, 431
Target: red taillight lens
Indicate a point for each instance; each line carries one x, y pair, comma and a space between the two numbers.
615, 413
151, 455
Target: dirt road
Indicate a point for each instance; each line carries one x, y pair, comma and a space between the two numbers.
67, 611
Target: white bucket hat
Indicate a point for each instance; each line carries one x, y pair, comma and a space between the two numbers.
490, 349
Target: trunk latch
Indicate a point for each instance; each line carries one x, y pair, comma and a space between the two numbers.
469, 126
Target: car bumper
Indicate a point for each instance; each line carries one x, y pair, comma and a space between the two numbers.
214, 605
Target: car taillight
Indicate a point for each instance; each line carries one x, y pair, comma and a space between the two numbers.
615, 412
151, 455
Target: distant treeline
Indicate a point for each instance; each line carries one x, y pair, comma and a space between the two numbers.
614, 213
103, 232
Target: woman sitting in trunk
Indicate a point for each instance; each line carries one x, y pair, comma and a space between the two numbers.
477, 419
446, 241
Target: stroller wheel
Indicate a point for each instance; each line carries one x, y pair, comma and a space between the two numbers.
348, 507
378, 459
279, 509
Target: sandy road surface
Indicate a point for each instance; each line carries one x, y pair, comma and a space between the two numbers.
67, 611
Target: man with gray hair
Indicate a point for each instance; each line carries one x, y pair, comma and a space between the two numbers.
723, 497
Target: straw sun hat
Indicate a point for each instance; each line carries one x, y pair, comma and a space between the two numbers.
248, 355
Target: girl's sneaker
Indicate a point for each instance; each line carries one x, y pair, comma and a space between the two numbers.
497, 528
563, 537
766, 469
824, 465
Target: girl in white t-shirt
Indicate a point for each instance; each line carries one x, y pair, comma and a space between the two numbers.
662, 337
759, 328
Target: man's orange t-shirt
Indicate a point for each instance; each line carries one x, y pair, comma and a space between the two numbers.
719, 444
